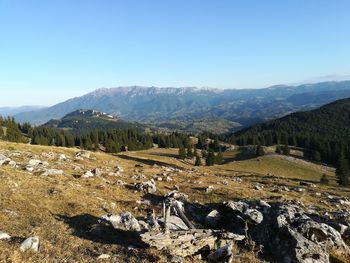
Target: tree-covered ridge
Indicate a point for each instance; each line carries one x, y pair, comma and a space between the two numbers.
89, 120
324, 134
11, 131
331, 121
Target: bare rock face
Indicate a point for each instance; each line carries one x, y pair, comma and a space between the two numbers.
123, 221
295, 237
222, 255
31, 243
175, 223
213, 218
246, 212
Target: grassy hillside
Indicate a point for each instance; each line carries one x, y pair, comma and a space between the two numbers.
63, 210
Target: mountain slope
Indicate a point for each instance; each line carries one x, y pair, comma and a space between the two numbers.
151, 104
87, 120
331, 120
10, 111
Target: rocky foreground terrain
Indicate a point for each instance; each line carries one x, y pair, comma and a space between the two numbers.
66, 205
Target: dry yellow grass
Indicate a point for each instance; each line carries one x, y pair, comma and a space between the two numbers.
61, 210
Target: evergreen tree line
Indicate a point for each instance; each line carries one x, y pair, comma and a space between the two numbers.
321, 148
112, 140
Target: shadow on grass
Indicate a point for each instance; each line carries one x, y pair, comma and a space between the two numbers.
87, 227
240, 156
171, 155
148, 161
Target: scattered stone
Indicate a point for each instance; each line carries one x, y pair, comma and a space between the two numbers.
4, 236
258, 187
104, 256
120, 183
87, 174
237, 179
82, 155
119, 169
48, 172
96, 172
209, 189
308, 184
299, 189
31, 243
62, 157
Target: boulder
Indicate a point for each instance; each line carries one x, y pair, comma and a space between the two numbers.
148, 187
124, 221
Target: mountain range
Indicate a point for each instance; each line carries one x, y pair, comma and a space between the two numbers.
11, 111
197, 108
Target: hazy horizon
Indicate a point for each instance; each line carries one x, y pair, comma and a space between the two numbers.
53, 51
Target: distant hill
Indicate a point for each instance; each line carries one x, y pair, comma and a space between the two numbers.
11, 111
169, 106
331, 121
87, 120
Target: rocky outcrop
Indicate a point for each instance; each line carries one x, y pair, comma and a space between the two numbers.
294, 236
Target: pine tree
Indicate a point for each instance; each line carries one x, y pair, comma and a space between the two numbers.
189, 153
324, 179
198, 161
279, 149
316, 156
210, 160
286, 150
219, 158
182, 153
259, 151
195, 152
342, 171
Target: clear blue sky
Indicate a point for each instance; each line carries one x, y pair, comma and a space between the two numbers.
53, 50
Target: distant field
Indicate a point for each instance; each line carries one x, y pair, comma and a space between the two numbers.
266, 165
